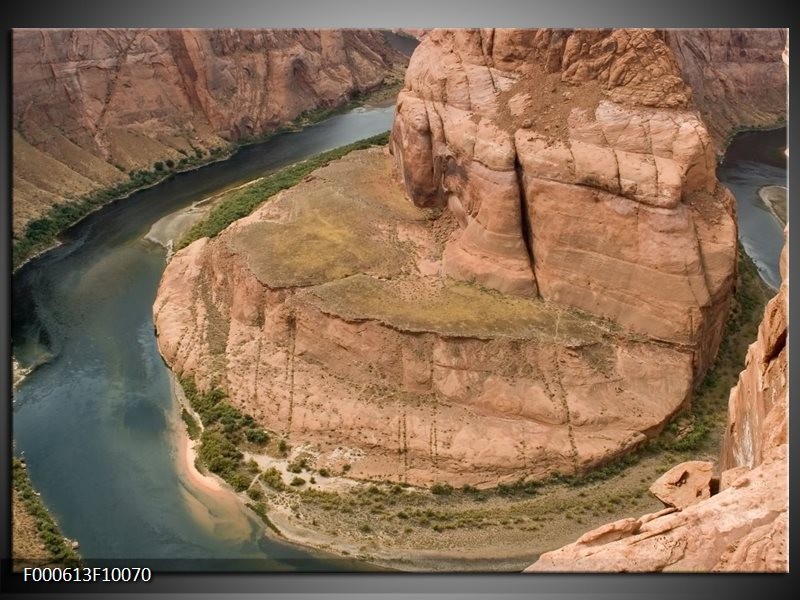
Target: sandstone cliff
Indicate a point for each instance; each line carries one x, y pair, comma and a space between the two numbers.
323, 314
90, 106
737, 77
745, 526
547, 303
578, 171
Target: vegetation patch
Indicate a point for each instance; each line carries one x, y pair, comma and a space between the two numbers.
241, 202
42, 233
48, 532
192, 426
225, 430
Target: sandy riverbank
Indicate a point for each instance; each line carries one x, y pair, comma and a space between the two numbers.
221, 510
211, 501
168, 230
776, 198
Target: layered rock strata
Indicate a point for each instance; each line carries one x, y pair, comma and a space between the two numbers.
578, 170
547, 301
745, 526
323, 314
737, 76
90, 106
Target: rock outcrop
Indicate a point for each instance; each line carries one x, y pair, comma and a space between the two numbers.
546, 303
758, 404
745, 526
323, 314
90, 106
684, 484
578, 170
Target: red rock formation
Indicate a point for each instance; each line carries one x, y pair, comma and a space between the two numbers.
684, 484
564, 170
91, 105
745, 526
418, 380
577, 170
758, 405
737, 76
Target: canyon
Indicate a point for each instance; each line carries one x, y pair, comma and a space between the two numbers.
547, 301
514, 317
92, 107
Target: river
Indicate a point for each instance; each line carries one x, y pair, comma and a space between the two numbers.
96, 419
753, 160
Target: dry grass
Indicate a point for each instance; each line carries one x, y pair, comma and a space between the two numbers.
26, 544
452, 308
334, 229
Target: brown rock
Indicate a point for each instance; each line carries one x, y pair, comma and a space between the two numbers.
92, 105
745, 526
684, 484
739, 529
737, 76
758, 403
606, 201
364, 346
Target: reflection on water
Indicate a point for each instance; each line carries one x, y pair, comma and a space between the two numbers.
96, 420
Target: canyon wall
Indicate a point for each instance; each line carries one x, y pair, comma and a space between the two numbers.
546, 302
737, 77
90, 106
745, 526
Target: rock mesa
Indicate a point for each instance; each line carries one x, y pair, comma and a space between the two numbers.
546, 301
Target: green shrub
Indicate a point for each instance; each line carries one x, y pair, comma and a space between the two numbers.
46, 529
272, 477
297, 481
324, 472
442, 489
255, 493
240, 203
256, 436
192, 427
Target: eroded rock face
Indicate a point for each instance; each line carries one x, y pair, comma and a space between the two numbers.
737, 76
324, 315
92, 105
745, 526
578, 170
758, 404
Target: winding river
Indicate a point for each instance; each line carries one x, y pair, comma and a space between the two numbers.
96, 420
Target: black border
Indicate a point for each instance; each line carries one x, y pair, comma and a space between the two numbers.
383, 13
